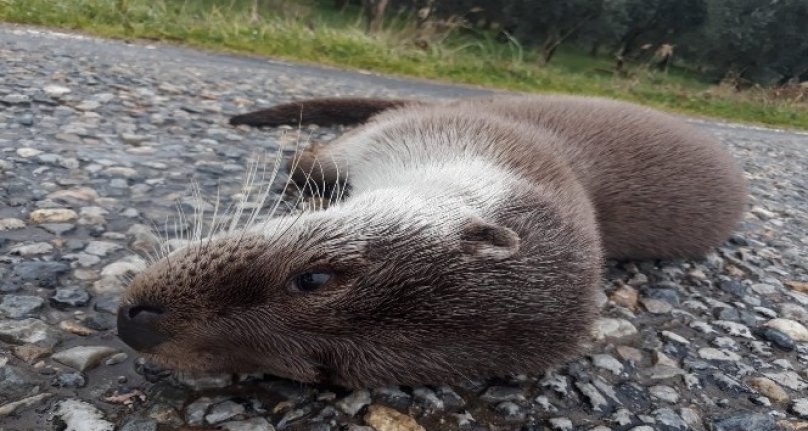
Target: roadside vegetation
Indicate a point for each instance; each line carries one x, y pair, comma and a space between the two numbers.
409, 41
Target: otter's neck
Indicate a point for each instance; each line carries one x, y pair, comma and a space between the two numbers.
472, 184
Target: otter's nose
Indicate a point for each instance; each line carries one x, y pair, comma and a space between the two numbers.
136, 326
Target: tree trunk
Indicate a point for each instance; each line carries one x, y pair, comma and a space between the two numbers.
594, 50
374, 13
553, 42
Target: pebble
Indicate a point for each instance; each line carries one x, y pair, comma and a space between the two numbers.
383, 418
800, 408
19, 306
769, 388
11, 224
33, 249
84, 357
744, 421
713, 354
224, 411
560, 424
53, 215
664, 393
795, 330
139, 424
28, 331
608, 362
607, 327
354, 402
78, 415
70, 297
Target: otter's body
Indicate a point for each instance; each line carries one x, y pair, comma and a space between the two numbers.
470, 243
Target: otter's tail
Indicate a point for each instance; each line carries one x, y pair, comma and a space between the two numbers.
327, 111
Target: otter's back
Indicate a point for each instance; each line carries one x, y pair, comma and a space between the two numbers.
661, 187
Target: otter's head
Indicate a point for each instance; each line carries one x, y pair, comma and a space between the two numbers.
360, 294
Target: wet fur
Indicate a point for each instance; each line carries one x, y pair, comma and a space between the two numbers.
470, 244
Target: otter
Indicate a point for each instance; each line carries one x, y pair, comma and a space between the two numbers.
469, 242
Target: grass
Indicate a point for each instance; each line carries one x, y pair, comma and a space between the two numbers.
315, 32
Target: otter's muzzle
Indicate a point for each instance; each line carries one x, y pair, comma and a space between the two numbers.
136, 326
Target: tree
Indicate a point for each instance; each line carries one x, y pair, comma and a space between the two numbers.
656, 21
553, 22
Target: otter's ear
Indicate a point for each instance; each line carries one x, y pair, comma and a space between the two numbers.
483, 239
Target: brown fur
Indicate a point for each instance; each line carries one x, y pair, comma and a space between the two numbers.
411, 303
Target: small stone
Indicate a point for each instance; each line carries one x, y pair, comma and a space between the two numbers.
769, 388
428, 398
799, 286
672, 336
42, 274
165, 414
69, 380
31, 352
28, 152
354, 402
656, 306
735, 329
254, 424
139, 424
53, 215
670, 420
777, 337
76, 328
788, 379
664, 393
28, 331
11, 223
613, 328
101, 248
116, 359
19, 306
595, 398
384, 418
629, 353
78, 415
10, 408
83, 357
608, 362
626, 296
560, 424
744, 421
70, 297
55, 90
31, 249
15, 99
800, 408
713, 354
224, 411
792, 328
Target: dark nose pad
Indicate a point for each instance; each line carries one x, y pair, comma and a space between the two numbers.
136, 326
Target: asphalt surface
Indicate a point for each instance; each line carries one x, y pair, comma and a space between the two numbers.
100, 139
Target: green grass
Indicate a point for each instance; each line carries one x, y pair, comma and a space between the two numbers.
318, 33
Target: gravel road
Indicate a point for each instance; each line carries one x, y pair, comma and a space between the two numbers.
100, 140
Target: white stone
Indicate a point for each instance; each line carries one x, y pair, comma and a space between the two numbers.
609, 327
11, 223
80, 416
713, 354
56, 90
84, 357
792, 328
27, 152
32, 249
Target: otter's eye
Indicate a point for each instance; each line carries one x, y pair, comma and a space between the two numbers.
310, 281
